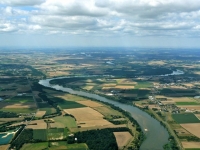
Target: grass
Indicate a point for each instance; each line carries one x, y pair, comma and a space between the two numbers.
187, 103
49, 111
40, 134
63, 145
192, 148
67, 104
20, 99
34, 146
143, 85
67, 121
57, 133
19, 110
185, 118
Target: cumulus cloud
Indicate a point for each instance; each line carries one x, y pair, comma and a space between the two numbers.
21, 2
101, 17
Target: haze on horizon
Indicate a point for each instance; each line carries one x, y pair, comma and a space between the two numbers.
59, 23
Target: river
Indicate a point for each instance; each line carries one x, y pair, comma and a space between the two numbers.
156, 134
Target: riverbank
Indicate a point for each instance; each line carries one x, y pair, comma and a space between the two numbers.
155, 133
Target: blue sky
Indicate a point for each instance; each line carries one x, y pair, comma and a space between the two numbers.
60, 23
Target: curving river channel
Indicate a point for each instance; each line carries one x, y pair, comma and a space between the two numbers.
156, 134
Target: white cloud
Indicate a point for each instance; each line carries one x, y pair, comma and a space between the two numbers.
101, 17
21, 2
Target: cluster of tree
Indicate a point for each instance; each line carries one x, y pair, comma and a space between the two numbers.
51, 102
190, 138
25, 136
8, 114
172, 145
98, 139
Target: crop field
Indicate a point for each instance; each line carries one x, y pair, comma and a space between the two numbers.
19, 110
4, 147
63, 145
67, 104
181, 99
34, 146
187, 103
191, 145
108, 112
40, 113
37, 124
70, 97
90, 118
190, 107
185, 118
63, 121
40, 134
55, 134
174, 92
193, 128
122, 138
48, 111
198, 116
90, 103
20, 99
143, 85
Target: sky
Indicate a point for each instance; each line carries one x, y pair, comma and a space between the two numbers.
96, 23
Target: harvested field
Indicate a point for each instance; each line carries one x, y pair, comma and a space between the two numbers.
124, 87
122, 138
193, 128
37, 124
182, 99
4, 147
89, 87
90, 103
70, 97
191, 144
87, 117
40, 113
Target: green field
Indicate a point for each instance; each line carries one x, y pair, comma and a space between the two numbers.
192, 148
187, 103
67, 104
35, 146
20, 99
61, 145
68, 121
49, 111
19, 110
40, 134
56, 133
143, 85
185, 118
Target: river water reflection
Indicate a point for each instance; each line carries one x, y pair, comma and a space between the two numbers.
156, 136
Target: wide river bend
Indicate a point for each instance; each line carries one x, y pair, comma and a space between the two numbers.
156, 136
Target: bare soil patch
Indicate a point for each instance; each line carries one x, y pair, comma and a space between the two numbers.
40, 113
87, 117
122, 138
192, 128
37, 124
90, 103
191, 144
4, 147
